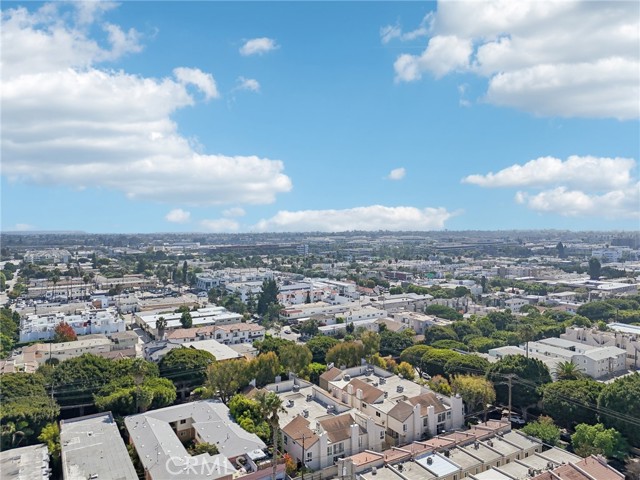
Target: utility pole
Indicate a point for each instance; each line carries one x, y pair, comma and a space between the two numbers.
510, 377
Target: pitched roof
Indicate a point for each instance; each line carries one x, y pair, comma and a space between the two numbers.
401, 411
338, 428
331, 374
298, 428
426, 400
369, 393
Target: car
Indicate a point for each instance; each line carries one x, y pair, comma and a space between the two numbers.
472, 421
287, 331
517, 419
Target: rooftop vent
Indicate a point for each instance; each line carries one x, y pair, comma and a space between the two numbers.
309, 397
383, 381
347, 377
400, 388
296, 388
429, 461
305, 413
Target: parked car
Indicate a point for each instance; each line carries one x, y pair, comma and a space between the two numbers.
517, 419
287, 331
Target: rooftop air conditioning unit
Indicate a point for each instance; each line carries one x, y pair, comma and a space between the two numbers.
383, 381
296, 388
429, 461
305, 413
400, 388
374, 471
347, 377
290, 404
309, 397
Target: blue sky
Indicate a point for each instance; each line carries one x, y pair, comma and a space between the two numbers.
235, 117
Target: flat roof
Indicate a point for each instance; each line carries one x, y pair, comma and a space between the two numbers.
415, 471
92, 445
437, 465
25, 463
217, 349
621, 327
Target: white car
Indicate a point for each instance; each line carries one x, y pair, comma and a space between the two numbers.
517, 419
287, 331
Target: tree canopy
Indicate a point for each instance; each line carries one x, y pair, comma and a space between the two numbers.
186, 367
319, 347
598, 440
619, 402
570, 402
348, 354
530, 375
393, 343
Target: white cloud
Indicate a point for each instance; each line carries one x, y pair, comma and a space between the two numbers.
397, 174
258, 46
583, 172
178, 215
579, 186
67, 122
220, 225
194, 76
527, 51
22, 227
372, 218
234, 212
250, 84
390, 32
623, 203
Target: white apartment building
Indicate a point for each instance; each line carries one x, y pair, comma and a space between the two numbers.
227, 334
210, 279
626, 337
318, 429
92, 321
407, 410
200, 318
411, 302
596, 362
419, 322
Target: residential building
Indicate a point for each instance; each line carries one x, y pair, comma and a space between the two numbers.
227, 334
159, 437
25, 463
626, 337
155, 351
408, 411
419, 322
92, 448
91, 321
199, 318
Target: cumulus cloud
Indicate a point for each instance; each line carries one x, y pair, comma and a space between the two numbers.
220, 225
258, 46
623, 203
194, 76
397, 174
68, 122
585, 172
579, 186
250, 84
375, 217
178, 215
527, 51
234, 212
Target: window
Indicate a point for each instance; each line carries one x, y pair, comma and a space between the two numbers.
285, 439
448, 415
309, 456
329, 452
404, 428
425, 422
377, 414
364, 405
182, 422
382, 435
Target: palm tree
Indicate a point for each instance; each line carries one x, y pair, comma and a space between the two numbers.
568, 371
270, 406
161, 325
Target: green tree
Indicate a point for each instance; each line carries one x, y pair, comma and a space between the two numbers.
161, 326
466, 364
413, 356
125, 396
272, 344
319, 347
225, 379
50, 435
484, 344
313, 371
186, 320
598, 440
393, 343
186, 368
530, 375
370, 343
570, 402
543, 429
74, 380
348, 354
405, 370
435, 360
294, 358
268, 295
561, 250
271, 407
568, 371
309, 328
443, 311
450, 345
203, 447
619, 402
440, 385
477, 392
438, 332
594, 268
265, 367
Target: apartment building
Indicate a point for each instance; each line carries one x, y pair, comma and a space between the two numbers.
25, 463
91, 321
626, 337
91, 447
419, 322
408, 411
159, 438
200, 318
